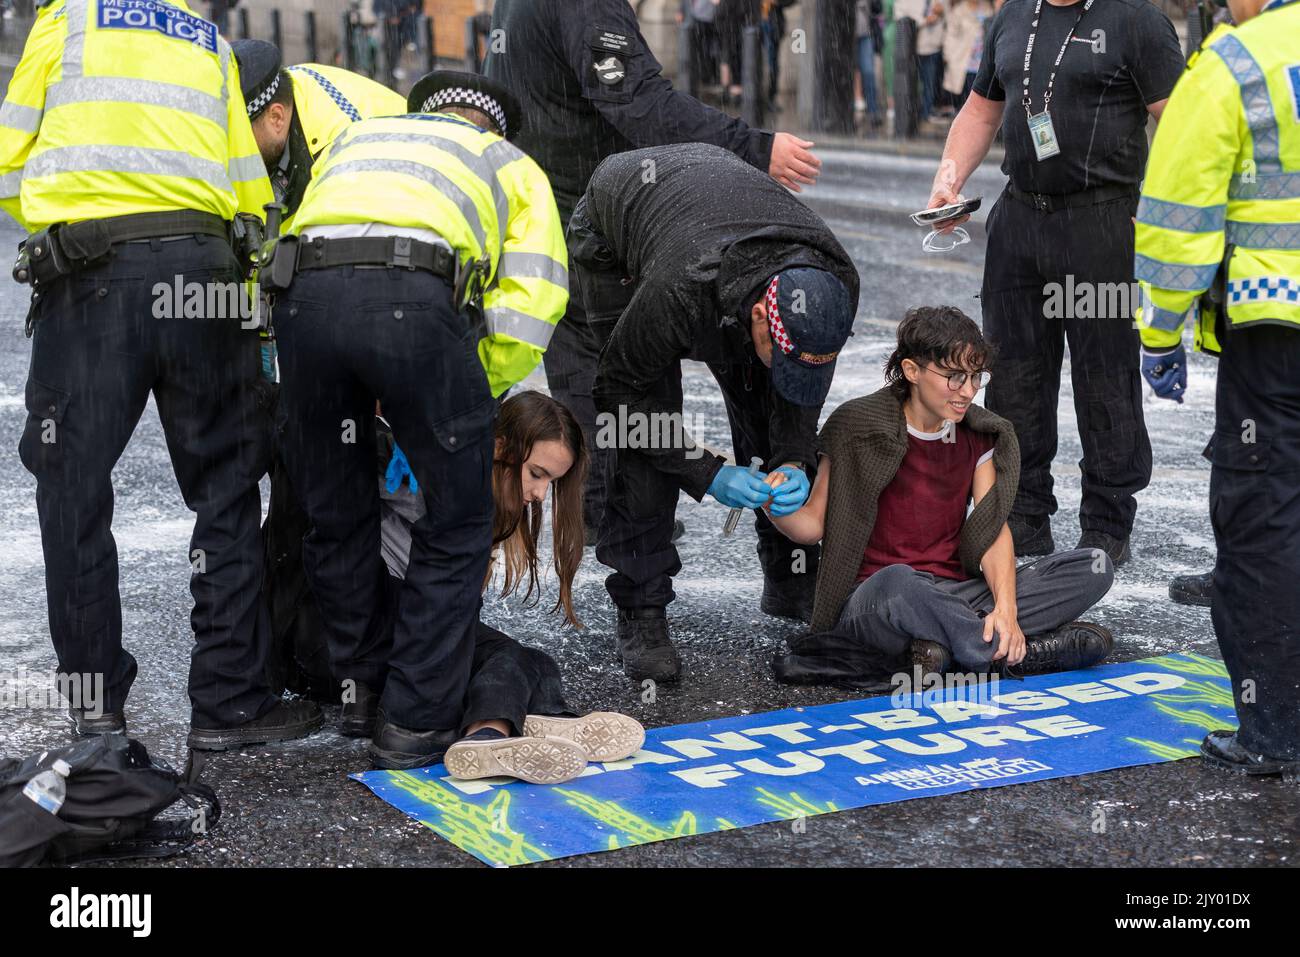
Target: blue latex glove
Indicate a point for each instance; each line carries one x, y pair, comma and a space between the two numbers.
398, 469
1166, 372
790, 495
735, 487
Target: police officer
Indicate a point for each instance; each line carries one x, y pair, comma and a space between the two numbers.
297, 112
709, 260
126, 150
405, 220
590, 87
1072, 84
1218, 236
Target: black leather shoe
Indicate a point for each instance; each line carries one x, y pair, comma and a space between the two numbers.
792, 598
1116, 548
395, 748
1080, 644
1032, 534
931, 657
287, 721
1193, 589
1222, 751
358, 718
644, 646
679, 529
87, 723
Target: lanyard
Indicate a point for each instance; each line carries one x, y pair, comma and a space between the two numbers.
1029, 52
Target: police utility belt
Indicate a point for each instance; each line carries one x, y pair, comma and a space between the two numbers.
292, 255
65, 248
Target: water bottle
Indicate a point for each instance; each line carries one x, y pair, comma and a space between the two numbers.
49, 789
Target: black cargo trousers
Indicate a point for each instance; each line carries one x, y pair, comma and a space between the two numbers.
1078, 247
349, 336
102, 341
1255, 513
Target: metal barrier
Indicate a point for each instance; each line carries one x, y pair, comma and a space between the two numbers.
277, 32
427, 38
752, 98
309, 24
688, 79
244, 32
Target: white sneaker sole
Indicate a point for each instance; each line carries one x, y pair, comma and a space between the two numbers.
603, 735
537, 760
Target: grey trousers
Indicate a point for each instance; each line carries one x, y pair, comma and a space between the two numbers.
898, 604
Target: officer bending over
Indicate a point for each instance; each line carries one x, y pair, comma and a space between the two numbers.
297, 112
127, 151
404, 223
715, 261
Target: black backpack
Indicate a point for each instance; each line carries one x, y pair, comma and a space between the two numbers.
114, 793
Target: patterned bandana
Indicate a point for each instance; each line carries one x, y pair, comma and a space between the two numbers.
459, 96
259, 102
774, 323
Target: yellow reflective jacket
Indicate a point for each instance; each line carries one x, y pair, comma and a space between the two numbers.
126, 106
1225, 169
327, 99
477, 191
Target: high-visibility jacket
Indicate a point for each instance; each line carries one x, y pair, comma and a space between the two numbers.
126, 106
481, 194
1225, 169
327, 99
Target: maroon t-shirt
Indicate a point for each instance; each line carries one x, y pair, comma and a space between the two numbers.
920, 513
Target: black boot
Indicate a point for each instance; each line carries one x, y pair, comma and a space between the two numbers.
930, 657
87, 724
1222, 750
1116, 548
1032, 534
1193, 589
359, 714
284, 722
1080, 644
396, 748
792, 598
644, 646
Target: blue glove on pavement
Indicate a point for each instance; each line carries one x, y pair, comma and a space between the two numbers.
791, 494
733, 486
1166, 372
398, 469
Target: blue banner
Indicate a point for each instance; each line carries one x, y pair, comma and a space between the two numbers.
735, 772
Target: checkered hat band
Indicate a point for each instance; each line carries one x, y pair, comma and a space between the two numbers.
459, 96
779, 335
258, 103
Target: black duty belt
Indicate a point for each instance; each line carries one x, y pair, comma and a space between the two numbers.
1048, 203
137, 226
397, 251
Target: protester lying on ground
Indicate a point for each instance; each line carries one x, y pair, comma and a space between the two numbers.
907, 576
516, 723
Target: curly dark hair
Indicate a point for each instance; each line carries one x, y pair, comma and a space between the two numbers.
940, 335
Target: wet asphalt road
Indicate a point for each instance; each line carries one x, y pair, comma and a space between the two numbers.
293, 805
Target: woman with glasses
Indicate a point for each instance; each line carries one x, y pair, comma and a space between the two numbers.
911, 573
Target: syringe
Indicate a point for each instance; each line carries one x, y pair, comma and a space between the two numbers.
733, 517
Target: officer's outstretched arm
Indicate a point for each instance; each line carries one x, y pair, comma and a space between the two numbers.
530, 289
1180, 221
24, 104
622, 79
244, 163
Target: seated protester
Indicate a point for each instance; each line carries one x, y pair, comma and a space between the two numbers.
907, 576
516, 723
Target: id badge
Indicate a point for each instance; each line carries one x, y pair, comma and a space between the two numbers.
1043, 135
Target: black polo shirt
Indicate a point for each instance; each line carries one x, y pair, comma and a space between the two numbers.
1124, 56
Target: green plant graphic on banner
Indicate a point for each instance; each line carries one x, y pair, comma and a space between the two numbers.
635, 829
793, 806
1193, 692
483, 831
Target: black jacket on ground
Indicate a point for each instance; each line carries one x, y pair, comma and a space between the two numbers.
547, 53
700, 234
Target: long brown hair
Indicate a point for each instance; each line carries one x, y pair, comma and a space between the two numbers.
524, 420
